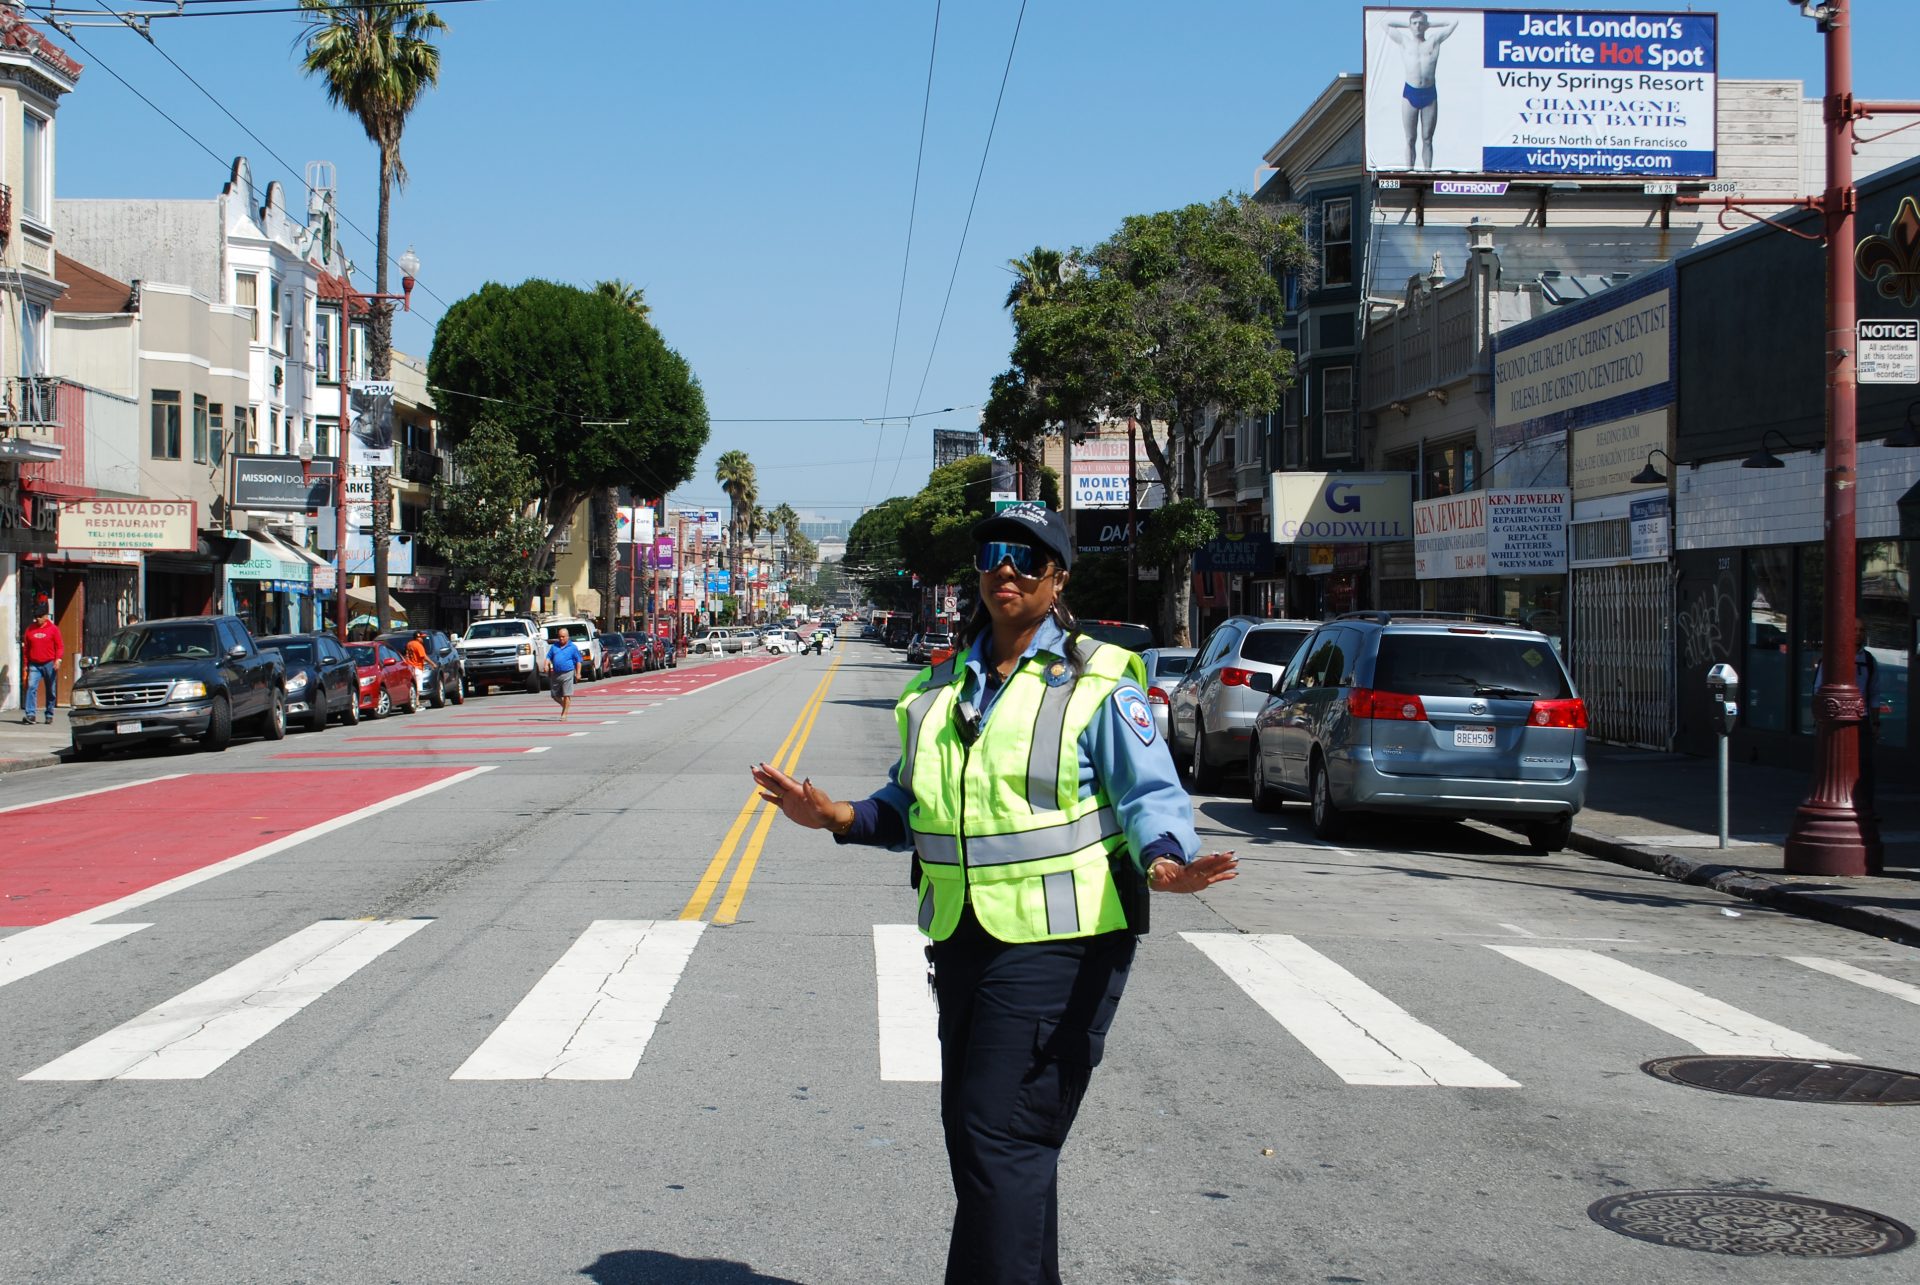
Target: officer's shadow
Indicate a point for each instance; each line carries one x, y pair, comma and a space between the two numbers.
651, 1267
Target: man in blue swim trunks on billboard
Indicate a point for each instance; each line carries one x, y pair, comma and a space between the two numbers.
1419, 38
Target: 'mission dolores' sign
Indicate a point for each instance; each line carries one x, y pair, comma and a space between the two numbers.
153, 526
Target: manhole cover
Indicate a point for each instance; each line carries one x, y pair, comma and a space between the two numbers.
1750, 1224
1791, 1079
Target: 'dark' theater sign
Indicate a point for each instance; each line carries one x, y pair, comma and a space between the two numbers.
151, 526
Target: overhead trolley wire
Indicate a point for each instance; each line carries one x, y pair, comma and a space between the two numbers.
913, 209
965, 227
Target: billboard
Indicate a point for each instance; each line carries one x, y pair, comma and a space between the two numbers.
370, 423
279, 484
152, 526
1342, 508
1541, 91
1491, 533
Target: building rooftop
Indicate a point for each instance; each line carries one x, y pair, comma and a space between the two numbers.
90, 290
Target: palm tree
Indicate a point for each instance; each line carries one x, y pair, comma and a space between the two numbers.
1036, 276
629, 296
376, 60
734, 472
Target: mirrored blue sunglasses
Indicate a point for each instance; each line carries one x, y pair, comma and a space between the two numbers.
1026, 560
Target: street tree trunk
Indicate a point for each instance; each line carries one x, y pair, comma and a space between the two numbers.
610, 562
380, 361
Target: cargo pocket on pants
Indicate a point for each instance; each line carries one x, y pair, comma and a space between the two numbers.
1050, 1095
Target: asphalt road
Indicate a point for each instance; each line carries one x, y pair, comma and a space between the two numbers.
501, 1005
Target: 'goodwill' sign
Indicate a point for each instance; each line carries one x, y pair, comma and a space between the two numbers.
1342, 508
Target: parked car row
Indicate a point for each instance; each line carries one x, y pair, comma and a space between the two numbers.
1407, 713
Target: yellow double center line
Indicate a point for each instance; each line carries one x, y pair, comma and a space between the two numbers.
784, 758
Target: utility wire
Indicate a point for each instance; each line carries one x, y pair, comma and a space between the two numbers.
913, 209
965, 227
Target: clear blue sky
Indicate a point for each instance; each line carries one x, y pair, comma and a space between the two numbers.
750, 162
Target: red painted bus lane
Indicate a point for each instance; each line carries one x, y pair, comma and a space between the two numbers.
74, 856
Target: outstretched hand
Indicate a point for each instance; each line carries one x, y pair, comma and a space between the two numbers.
1197, 875
801, 802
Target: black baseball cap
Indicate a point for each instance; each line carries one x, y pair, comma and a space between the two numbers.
1029, 522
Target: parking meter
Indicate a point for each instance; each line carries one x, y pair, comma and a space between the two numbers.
1723, 684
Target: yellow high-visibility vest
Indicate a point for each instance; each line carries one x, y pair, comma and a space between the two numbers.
1000, 823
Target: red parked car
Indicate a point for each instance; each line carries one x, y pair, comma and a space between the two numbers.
386, 682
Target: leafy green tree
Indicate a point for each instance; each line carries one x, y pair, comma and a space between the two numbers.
376, 60
1172, 320
481, 521
874, 560
589, 392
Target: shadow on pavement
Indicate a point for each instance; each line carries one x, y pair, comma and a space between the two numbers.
652, 1267
1466, 852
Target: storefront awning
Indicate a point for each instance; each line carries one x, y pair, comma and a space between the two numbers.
272, 561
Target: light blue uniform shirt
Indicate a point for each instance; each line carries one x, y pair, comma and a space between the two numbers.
1119, 748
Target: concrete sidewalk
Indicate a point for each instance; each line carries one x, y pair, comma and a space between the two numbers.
1657, 812
22, 747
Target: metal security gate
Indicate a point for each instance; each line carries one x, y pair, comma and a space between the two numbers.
1622, 652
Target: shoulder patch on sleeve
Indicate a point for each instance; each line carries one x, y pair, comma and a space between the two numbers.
1135, 711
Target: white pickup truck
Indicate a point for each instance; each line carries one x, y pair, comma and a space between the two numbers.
506, 652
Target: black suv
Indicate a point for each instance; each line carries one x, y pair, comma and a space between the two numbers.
446, 669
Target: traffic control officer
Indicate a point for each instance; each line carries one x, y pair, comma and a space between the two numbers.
1039, 804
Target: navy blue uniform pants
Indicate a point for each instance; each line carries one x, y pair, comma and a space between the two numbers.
1021, 1029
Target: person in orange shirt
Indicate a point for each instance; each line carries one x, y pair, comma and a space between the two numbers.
418, 660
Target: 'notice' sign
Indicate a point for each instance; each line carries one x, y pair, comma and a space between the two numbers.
1887, 352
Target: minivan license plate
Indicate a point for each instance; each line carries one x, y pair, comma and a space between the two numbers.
1478, 738
125, 729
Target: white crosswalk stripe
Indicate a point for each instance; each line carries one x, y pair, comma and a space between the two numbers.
909, 1020
592, 1014
27, 952
201, 1029
1362, 1036
1682, 1012
1860, 976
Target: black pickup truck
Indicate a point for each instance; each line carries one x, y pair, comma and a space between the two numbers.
195, 676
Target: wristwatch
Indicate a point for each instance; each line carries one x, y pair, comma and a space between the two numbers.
1154, 863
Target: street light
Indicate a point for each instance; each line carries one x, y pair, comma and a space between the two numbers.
1651, 476
339, 497
1764, 458
1908, 434
409, 271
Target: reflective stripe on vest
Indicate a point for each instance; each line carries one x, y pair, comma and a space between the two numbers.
917, 708
1043, 758
1021, 845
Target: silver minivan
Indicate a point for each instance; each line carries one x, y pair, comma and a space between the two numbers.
1210, 715
1425, 715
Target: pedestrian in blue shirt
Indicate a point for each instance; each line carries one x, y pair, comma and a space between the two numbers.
1040, 805
563, 664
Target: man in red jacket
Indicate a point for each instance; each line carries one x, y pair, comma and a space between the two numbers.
44, 648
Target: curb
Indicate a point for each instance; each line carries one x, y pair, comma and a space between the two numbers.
1815, 901
25, 764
